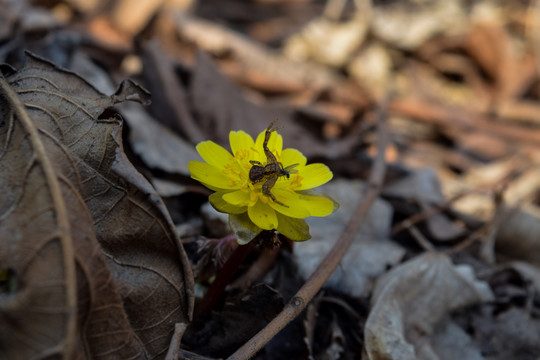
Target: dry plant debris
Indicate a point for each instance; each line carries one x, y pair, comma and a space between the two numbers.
88, 244
437, 259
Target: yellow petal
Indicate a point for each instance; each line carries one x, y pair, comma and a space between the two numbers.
240, 141
238, 198
314, 175
292, 156
214, 154
318, 205
295, 209
276, 144
263, 216
216, 200
211, 176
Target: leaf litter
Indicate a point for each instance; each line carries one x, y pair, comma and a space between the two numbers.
65, 129
443, 268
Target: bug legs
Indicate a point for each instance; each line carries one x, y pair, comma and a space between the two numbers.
266, 191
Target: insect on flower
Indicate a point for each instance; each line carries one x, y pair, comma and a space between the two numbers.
261, 185
273, 169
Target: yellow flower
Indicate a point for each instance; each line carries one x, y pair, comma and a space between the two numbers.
250, 210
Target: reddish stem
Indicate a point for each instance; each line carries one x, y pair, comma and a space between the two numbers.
224, 276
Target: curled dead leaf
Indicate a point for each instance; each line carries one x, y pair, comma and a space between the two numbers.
67, 183
411, 301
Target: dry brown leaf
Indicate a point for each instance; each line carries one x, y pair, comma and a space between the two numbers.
170, 104
219, 105
158, 146
68, 182
412, 300
36, 311
517, 236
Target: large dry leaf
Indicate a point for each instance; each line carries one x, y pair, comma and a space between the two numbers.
67, 182
410, 303
36, 309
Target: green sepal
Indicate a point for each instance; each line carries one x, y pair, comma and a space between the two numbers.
244, 229
293, 229
216, 200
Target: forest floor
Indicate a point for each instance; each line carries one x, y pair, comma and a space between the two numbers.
426, 112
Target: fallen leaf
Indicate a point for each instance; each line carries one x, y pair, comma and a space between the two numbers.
371, 252
157, 146
407, 24
51, 249
514, 334
517, 237
170, 103
410, 301
220, 107
451, 342
329, 42
36, 250
58, 141
422, 188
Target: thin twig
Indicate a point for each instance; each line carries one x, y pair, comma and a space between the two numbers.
429, 212
436, 209
174, 346
420, 238
304, 295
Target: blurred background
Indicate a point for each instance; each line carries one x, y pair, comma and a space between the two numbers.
461, 77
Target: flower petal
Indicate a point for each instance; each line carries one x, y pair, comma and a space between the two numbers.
318, 205
275, 144
291, 156
240, 140
294, 229
211, 176
294, 208
216, 200
314, 175
238, 198
214, 154
263, 216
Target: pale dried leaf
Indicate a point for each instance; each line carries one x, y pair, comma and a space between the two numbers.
371, 252
407, 24
328, 42
411, 300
